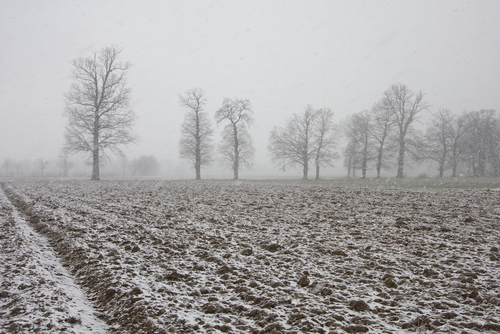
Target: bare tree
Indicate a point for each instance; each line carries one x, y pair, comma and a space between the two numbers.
236, 149
405, 106
196, 132
64, 161
437, 142
42, 163
360, 150
363, 122
457, 129
351, 158
97, 107
481, 143
326, 140
382, 132
307, 136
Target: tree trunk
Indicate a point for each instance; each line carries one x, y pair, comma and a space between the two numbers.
236, 165
401, 158
198, 172
379, 161
317, 170
349, 164
441, 169
95, 157
305, 170
197, 166
95, 163
235, 173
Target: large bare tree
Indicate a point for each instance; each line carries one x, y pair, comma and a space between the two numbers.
457, 151
97, 107
236, 149
405, 105
196, 132
326, 139
383, 125
481, 143
294, 144
438, 139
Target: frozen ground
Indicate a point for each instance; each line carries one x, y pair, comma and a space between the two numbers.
36, 293
201, 257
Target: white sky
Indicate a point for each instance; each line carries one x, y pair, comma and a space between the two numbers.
281, 55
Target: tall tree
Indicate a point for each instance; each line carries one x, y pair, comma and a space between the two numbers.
481, 142
382, 132
351, 158
438, 139
236, 149
405, 105
294, 144
196, 133
361, 148
457, 129
326, 141
97, 107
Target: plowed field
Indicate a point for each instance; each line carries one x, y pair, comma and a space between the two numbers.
201, 257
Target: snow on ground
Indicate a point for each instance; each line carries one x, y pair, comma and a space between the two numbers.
37, 295
211, 257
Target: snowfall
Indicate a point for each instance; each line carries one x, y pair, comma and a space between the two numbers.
246, 257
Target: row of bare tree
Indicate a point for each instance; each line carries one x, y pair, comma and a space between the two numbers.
100, 121
196, 144
469, 142
13, 168
376, 136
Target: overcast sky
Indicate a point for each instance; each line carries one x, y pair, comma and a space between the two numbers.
281, 55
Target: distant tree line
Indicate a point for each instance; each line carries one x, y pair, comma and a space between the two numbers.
35, 168
468, 143
382, 138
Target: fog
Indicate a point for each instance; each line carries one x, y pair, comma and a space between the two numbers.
281, 55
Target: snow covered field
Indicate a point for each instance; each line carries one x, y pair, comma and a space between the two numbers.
248, 257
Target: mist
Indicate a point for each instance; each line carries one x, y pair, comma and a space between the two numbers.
281, 56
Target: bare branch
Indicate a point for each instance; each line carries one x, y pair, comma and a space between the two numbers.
97, 107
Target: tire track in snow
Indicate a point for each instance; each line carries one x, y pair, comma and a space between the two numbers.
37, 294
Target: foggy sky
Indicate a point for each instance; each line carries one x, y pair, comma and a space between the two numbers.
281, 55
